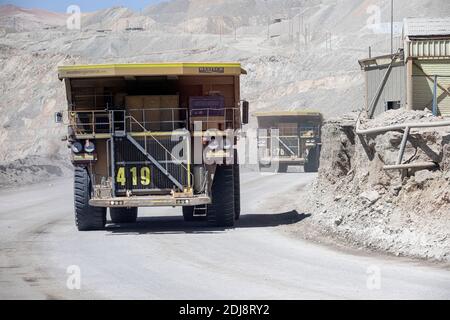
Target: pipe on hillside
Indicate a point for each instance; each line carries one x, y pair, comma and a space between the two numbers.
401, 127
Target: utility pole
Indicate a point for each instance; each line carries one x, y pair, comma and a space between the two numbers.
234, 27
435, 102
392, 27
328, 40
220, 31
291, 27
301, 24
306, 37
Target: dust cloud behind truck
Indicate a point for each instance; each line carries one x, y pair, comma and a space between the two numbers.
289, 138
159, 134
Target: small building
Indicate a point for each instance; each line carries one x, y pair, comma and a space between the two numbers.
385, 80
427, 59
417, 76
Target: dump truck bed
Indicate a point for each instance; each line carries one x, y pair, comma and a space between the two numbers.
150, 69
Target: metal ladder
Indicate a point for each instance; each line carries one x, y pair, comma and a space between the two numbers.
200, 211
119, 129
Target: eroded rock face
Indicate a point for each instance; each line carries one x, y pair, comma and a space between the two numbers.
391, 210
370, 196
422, 176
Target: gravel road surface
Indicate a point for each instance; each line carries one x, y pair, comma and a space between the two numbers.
162, 257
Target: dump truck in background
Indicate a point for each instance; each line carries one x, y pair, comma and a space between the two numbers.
289, 138
138, 134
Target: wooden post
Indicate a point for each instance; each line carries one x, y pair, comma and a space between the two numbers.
409, 84
435, 107
403, 145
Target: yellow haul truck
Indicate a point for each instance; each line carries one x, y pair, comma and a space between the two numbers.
289, 138
160, 134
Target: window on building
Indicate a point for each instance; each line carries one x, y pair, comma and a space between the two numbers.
392, 105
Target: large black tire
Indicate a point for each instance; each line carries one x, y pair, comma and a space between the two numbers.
220, 212
86, 217
261, 167
123, 215
267, 168
237, 191
282, 167
188, 214
312, 165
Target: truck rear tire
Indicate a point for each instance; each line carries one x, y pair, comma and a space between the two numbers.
188, 214
86, 217
220, 212
312, 165
282, 167
123, 215
237, 191
267, 168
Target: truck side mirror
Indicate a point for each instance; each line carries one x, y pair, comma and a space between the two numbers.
58, 117
245, 106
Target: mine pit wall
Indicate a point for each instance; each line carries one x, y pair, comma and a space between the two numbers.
402, 213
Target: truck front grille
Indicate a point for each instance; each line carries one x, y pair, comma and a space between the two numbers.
135, 172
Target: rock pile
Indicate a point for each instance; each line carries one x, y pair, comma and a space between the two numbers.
398, 211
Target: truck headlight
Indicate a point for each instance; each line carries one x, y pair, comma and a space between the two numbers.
89, 146
227, 144
213, 144
76, 147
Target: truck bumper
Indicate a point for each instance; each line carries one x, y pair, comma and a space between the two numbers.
292, 161
149, 201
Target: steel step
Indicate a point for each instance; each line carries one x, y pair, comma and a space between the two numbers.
200, 211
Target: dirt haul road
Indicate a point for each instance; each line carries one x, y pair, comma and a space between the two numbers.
161, 257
